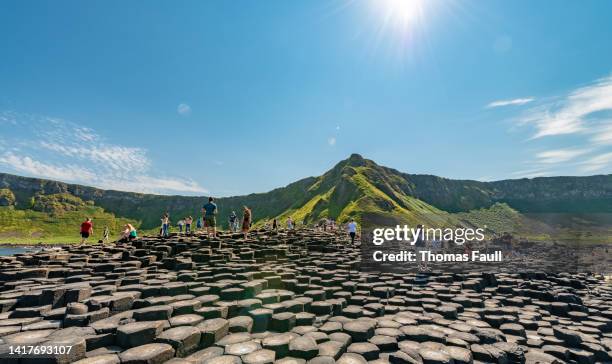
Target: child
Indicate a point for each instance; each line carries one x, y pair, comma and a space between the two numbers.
105, 236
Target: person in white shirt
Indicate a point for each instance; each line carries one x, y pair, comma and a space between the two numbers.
352, 230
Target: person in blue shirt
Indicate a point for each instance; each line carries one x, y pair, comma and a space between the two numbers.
209, 211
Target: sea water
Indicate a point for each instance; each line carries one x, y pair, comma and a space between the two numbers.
12, 250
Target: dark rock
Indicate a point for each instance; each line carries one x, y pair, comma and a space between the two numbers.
184, 339
303, 347
138, 333
149, 353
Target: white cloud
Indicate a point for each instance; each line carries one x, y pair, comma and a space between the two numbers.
184, 109
531, 173
61, 150
559, 155
7, 118
331, 141
85, 134
148, 184
581, 119
77, 174
25, 164
569, 114
603, 135
499, 103
115, 157
597, 163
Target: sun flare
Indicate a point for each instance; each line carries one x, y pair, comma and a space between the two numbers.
402, 14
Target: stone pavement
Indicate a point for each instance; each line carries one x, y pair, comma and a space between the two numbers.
288, 298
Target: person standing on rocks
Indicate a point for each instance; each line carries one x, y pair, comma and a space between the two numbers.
289, 223
180, 225
188, 222
106, 235
165, 225
274, 225
86, 230
352, 230
209, 211
233, 219
246, 221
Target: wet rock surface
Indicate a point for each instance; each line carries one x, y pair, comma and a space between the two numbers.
298, 297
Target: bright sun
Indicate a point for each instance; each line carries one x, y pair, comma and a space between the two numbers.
405, 10
401, 14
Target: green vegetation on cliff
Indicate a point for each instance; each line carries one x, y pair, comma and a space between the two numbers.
7, 198
55, 218
354, 187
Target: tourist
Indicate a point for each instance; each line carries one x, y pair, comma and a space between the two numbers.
165, 220
246, 221
133, 232
128, 234
188, 222
180, 224
86, 230
274, 225
106, 235
352, 230
233, 219
289, 223
125, 233
199, 224
209, 210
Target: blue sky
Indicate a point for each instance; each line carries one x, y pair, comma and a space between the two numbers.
233, 97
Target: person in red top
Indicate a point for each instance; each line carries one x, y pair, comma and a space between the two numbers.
86, 230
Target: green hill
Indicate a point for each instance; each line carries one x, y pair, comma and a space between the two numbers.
355, 186
55, 218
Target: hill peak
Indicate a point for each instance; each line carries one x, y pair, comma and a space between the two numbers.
354, 160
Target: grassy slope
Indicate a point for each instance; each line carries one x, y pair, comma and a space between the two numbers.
545, 227
365, 189
28, 226
353, 193
354, 187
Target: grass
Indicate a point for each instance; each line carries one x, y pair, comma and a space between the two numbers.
33, 227
500, 218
